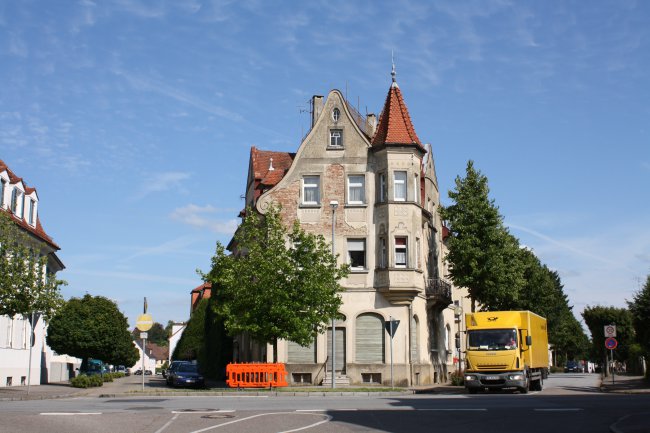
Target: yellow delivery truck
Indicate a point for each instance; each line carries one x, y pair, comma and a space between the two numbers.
506, 350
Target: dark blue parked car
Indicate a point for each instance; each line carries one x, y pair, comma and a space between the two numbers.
186, 374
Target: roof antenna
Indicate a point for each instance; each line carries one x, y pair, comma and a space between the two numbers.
393, 73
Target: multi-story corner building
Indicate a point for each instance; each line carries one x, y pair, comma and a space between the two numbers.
370, 186
21, 202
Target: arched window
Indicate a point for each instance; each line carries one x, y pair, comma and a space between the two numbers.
448, 338
301, 355
415, 338
369, 338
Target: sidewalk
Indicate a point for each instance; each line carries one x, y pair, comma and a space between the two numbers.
625, 384
155, 386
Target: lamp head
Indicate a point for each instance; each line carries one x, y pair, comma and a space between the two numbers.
334, 204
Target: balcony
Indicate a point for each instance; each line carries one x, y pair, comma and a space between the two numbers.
438, 292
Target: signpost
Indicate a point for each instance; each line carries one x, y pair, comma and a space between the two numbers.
144, 323
611, 344
391, 327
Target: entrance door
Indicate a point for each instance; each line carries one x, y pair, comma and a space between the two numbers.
340, 350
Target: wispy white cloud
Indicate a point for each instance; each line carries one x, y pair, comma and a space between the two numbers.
567, 246
200, 217
133, 276
17, 45
151, 85
162, 182
173, 246
148, 9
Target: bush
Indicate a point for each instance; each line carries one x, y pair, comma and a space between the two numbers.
96, 380
457, 379
108, 377
81, 381
555, 369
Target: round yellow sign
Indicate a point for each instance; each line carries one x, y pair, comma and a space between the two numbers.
144, 323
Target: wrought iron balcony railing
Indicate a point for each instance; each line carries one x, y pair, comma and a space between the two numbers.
438, 290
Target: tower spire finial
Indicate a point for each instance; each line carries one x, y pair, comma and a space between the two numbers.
393, 73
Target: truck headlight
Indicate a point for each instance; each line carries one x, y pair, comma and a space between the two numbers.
516, 377
469, 377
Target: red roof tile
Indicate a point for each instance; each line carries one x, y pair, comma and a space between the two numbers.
269, 167
395, 126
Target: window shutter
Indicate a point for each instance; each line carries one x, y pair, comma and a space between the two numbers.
369, 339
302, 355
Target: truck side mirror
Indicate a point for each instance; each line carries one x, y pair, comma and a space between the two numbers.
529, 340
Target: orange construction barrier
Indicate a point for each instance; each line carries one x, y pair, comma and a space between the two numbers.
256, 375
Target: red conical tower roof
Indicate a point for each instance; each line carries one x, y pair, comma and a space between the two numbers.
395, 125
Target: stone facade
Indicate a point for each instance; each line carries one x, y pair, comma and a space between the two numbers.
385, 225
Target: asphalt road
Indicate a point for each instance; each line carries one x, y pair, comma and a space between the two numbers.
568, 403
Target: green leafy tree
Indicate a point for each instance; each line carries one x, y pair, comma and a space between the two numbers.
283, 284
543, 293
92, 327
25, 286
191, 344
640, 310
596, 318
157, 335
482, 256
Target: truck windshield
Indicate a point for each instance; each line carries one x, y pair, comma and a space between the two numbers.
492, 339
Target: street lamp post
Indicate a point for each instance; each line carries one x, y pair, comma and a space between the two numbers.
333, 204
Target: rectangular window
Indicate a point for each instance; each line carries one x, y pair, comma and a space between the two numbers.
15, 197
383, 193
311, 190
31, 212
357, 254
400, 252
416, 189
383, 257
2, 193
399, 186
336, 138
356, 189
418, 265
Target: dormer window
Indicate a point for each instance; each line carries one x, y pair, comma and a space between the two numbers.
30, 216
336, 138
2, 192
16, 196
336, 115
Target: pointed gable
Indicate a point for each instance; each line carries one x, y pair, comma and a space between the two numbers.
395, 127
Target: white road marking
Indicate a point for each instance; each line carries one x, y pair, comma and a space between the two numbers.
202, 412
328, 418
167, 424
69, 413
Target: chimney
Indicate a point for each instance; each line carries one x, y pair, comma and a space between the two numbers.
316, 108
371, 120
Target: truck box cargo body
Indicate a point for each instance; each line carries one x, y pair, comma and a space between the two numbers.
506, 349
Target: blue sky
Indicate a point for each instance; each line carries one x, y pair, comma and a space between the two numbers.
134, 121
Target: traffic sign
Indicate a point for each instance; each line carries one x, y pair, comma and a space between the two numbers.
610, 331
391, 327
611, 343
144, 323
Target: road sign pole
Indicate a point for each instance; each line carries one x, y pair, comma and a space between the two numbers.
613, 367
144, 351
390, 320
